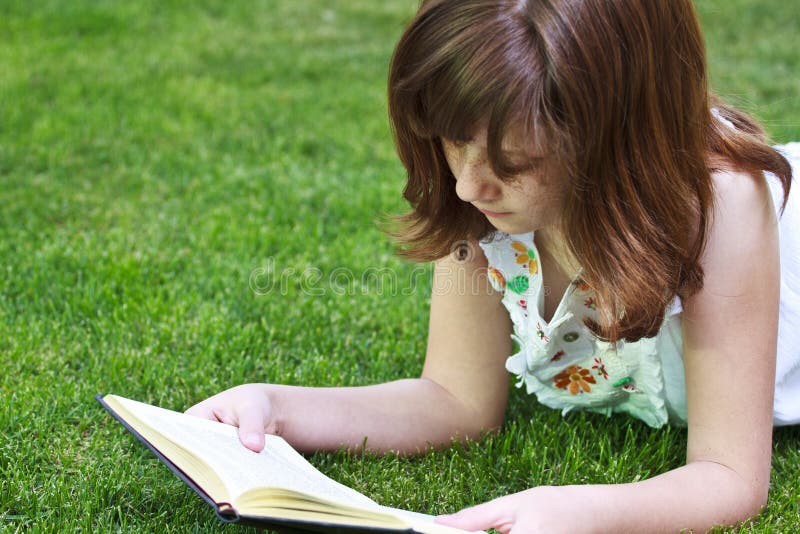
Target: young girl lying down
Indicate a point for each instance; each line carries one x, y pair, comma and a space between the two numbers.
634, 249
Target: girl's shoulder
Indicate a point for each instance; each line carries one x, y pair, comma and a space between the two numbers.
738, 189
751, 196
742, 239
743, 206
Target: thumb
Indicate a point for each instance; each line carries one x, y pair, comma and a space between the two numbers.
251, 428
493, 514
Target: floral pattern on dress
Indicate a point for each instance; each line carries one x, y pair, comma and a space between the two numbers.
519, 284
497, 276
526, 256
574, 378
600, 367
540, 333
582, 285
559, 360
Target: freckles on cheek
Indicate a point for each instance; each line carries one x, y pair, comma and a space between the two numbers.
544, 205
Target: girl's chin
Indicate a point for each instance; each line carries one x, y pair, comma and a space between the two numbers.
510, 228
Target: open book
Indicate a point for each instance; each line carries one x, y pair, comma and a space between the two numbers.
275, 488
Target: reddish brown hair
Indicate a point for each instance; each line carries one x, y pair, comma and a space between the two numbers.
619, 89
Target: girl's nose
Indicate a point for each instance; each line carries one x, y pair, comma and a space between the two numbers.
477, 183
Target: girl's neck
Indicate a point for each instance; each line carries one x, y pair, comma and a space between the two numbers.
550, 240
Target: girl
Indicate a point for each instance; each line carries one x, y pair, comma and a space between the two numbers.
617, 225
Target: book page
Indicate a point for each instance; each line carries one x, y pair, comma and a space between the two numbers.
239, 468
424, 522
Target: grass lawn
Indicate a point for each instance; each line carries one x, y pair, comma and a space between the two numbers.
158, 157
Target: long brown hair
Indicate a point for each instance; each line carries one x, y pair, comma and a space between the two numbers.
619, 89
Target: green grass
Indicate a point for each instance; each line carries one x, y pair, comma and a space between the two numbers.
153, 155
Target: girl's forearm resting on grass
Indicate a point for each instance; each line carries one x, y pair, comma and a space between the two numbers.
405, 416
695, 498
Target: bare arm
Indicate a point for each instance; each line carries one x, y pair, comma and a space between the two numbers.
462, 391
730, 343
730, 336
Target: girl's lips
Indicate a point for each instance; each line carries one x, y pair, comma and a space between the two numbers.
494, 213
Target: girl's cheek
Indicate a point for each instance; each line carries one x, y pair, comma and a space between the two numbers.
455, 165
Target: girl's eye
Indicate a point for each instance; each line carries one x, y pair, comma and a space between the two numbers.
528, 166
456, 143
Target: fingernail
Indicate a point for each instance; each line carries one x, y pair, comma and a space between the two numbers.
251, 439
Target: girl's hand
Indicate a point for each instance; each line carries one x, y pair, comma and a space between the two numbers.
541, 509
247, 406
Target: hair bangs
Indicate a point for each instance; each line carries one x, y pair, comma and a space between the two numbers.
465, 77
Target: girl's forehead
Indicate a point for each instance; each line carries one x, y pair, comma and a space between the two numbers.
515, 138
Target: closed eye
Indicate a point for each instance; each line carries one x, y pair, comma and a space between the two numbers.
522, 167
457, 143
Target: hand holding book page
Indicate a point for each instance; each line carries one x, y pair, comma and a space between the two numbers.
276, 487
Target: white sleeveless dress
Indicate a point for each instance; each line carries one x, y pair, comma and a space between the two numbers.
568, 368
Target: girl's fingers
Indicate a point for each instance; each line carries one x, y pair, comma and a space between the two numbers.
251, 428
202, 411
496, 514
238, 407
